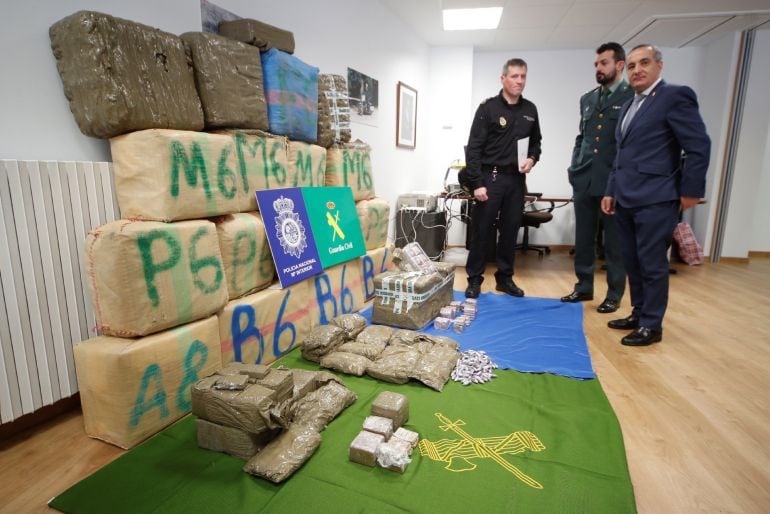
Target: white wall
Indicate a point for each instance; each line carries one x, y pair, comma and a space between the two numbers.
338, 34
760, 237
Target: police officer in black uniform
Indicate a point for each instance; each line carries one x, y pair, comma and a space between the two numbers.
496, 175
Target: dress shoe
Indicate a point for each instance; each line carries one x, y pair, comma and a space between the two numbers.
628, 323
642, 336
473, 289
575, 297
608, 306
508, 287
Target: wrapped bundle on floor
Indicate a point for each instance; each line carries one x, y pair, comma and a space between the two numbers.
307, 164
374, 216
351, 165
246, 257
228, 76
131, 389
258, 34
146, 276
120, 76
333, 110
291, 91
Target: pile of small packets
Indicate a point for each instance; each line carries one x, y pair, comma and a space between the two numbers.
474, 367
457, 315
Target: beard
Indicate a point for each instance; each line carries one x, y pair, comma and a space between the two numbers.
609, 78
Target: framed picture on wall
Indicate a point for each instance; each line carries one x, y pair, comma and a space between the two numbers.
406, 116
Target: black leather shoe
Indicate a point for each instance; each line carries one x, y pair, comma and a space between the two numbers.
628, 323
642, 336
608, 306
508, 287
575, 297
473, 289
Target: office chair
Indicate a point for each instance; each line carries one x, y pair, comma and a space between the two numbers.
533, 218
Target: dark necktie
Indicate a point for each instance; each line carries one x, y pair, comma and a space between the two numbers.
603, 94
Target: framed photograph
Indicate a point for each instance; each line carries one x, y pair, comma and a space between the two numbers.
406, 116
363, 94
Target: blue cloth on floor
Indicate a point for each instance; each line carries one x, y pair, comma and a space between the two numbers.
535, 335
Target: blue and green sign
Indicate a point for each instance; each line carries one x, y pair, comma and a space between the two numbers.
335, 224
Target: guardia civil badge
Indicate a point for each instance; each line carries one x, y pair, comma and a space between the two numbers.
288, 227
503, 122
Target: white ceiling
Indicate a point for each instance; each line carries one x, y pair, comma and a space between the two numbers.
558, 24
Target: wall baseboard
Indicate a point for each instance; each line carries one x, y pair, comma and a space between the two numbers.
759, 254
734, 260
27, 421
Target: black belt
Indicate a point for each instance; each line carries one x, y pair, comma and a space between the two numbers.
497, 168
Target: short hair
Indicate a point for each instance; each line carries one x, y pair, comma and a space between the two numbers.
617, 50
513, 62
655, 51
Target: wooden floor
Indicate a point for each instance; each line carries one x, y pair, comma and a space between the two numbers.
694, 408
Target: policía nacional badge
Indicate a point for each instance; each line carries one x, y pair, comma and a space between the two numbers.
289, 227
503, 121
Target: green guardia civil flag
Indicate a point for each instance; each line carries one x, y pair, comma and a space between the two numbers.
335, 224
523, 442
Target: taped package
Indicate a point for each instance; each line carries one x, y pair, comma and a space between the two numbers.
221, 438
410, 299
131, 389
146, 276
307, 164
373, 263
333, 110
246, 409
261, 327
392, 405
338, 290
285, 454
228, 76
318, 408
321, 340
120, 76
246, 257
374, 216
350, 165
258, 34
291, 92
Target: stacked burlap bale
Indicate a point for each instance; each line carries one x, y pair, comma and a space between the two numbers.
384, 354
338, 290
333, 110
291, 92
132, 388
120, 76
350, 165
246, 258
228, 76
307, 164
258, 34
374, 216
147, 276
373, 263
168, 175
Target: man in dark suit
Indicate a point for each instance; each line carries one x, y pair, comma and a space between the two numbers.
651, 183
592, 159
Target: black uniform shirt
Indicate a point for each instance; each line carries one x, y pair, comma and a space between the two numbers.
496, 128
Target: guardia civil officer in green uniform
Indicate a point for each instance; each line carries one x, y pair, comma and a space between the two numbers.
496, 175
592, 159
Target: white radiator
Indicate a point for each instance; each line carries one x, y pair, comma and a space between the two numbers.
47, 209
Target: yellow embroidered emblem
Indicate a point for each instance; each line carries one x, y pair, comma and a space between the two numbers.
503, 121
334, 223
457, 453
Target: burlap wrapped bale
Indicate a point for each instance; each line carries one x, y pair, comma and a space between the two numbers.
338, 290
291, 92
319, 408
374, 216
263, 163
145, 276
221, 438
261, 327
248, 263
247, 409
259, 34
307, 164
321, 340
373, 263
285, 454
228, 76
353, 324
131, 389
369, 350
344, 362
351, 165
120, 76
167, 175
394, 364
333, 110
411, 299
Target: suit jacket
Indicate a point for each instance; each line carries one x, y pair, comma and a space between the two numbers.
649, 165
594, 150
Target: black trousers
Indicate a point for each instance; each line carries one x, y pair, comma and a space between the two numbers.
506, 199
